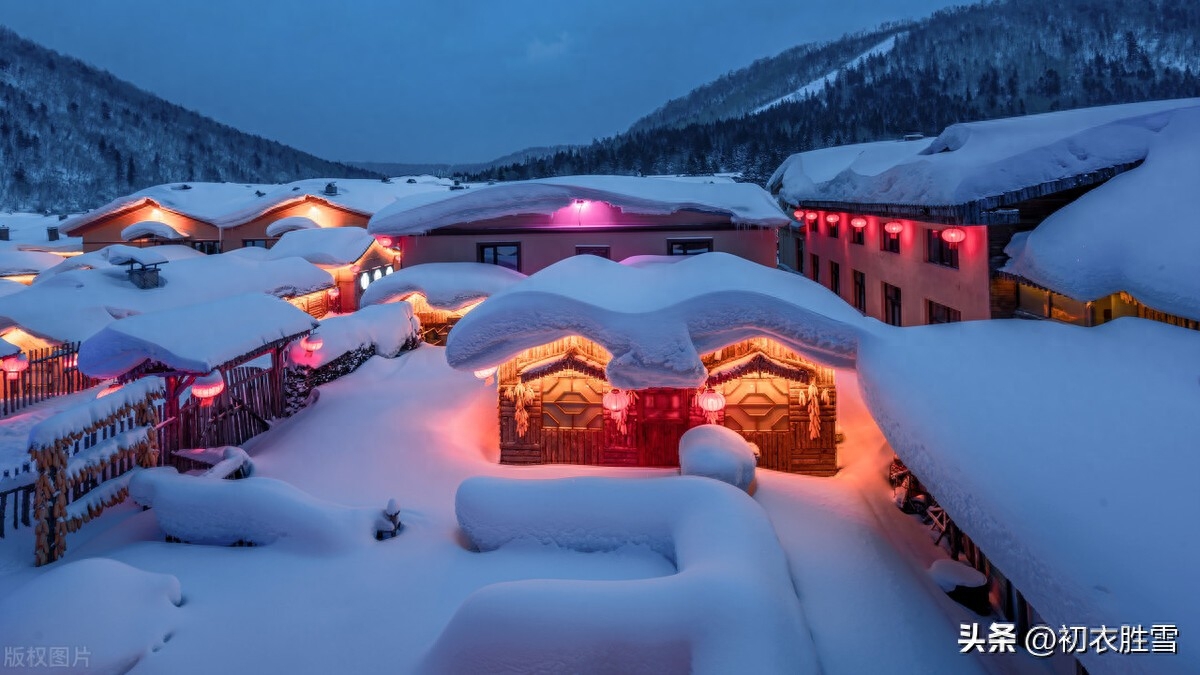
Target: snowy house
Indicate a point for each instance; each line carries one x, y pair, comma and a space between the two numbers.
604, 363
1028, 217
354, 258
216, 217
528, 225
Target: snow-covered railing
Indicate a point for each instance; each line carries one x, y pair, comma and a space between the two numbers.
52, 372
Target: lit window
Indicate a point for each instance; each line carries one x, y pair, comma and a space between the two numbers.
378, 275
388, 270
364, 281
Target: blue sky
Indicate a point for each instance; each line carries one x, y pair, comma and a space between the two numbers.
432, 81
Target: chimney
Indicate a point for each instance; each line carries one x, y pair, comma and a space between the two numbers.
3, 233
51, 233
331, 189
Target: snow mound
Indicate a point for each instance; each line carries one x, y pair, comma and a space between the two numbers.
291, 224
731, 606
323, 246
658, 320
712, 451
743, 203
448, 286
262, 511
950, 574
107, 615
15, 262
151, 228
387, 327
120, 254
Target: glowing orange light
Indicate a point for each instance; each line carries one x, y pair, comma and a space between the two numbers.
616, 400
333, 293
858, 223
810, 216
156, 213
799, 214
14, 365
894, 228
385, 241
312, 343
207, 387
953, 235
70, 361
110, 389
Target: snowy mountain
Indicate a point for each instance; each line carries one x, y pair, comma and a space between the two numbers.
73, 137
994, 59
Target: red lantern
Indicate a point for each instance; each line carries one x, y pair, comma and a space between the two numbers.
485, 373
894, 228
799, 214
616, 401
810, 216
312, 343
711, 402
333, 293
953, 236
385, 241
208, 387
832, 218
858, 223
14, 365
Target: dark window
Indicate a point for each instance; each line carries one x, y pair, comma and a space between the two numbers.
800, 255
831, 228
889, 242
258, 243
814, 226
206, 246
689, 246
939, 313
835, 278
858, 235
505, 254
860, 290
891, 305
601, 251
816, 267
939, 252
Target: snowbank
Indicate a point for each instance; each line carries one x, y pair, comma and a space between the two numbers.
193, 339
290, 224
731, 606
79, 417
120, 254
102, 616
1098, 425
448, 286
151, 228
657, 320
324, 246
15, 262
386, 327
950, 574
742, 203
713, 451
28, 231
262, 511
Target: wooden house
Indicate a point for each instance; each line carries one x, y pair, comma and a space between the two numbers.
354, 259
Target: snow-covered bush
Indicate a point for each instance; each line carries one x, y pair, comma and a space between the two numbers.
714, 451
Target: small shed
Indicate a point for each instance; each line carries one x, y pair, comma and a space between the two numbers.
228, 353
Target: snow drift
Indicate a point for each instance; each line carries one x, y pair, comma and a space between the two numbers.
448, 286
386, 327
716, 452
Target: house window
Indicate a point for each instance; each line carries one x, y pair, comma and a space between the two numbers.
859, 281
835, 278
816, 267
889, 242
601, 251
258, 243
858, 235
689, 246
938, 251
891, 305
505, 254
814, 226
832, 229
939, 313
800, 255
206, 246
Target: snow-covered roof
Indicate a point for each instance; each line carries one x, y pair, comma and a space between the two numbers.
192, 339
989, 164
742, 203
1139, 232
74, 305
8, 349
386, 327
151, 228
1096, 426
119, 254
227, 205
15, 262
323, 246
657, 320
28, 231
285, 225
448, 286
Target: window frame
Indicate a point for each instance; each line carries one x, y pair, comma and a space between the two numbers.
858, 235
891, 306
482, 246
592, 248
858, 283
888, 242
706, 241
939, 252
835, 277
951, 315
815, 261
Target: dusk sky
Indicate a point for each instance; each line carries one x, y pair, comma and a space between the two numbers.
443, 81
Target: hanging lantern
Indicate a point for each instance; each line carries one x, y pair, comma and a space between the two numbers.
810, 216
333, 293
712, 402
953, 236
832, 218
798, 214
385, 241
616, 401
14, 365
894, 227
858, 223
312, 343
485, 373
208, 387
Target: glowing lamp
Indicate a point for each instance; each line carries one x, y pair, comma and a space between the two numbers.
894, 228
858, 223
832, 218
485, 373
798, 214
333, 293
312, 343
208, 387
14, 365
385, 241
70, 361
616, 401
711, 402
810, 216
155, 214
953, 236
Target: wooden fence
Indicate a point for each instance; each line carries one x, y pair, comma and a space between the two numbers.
52, 372
239, 413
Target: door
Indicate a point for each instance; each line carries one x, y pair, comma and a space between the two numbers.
662, 418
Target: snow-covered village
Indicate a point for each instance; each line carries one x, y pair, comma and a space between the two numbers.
874, 349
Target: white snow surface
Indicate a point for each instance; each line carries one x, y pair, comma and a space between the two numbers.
141, 611
15, 261
448, 286
949, 574
192, 339
658, 320
323, 246
717, 452
976, 160
291, 224
730, 606
818, 85
87, 300
743, 203
82, 415
387, 327
27, 231
150, 228
120, 254
1139, 232
8, 349
1090, 469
